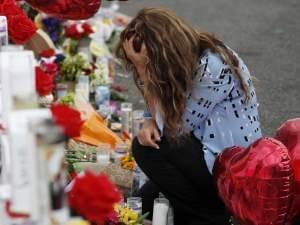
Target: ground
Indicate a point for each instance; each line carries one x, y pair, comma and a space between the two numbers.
265, 33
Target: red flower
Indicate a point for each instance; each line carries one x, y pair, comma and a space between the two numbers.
73, 32
20, 27
78, 31
93, 196
50, 68
68, 118
9, 8
44, 82
87, 29
47, 53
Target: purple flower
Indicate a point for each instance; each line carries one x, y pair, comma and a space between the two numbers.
53, 27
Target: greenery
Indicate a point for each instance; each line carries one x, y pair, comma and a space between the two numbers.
71, 68
115, 96
68, 99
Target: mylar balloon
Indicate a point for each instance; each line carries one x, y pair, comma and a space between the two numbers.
67, 9
255, 183
289, 135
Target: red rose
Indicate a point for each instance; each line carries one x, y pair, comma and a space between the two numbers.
44, 82
93, 196
20, 27
68, 118
47, 53
9, 8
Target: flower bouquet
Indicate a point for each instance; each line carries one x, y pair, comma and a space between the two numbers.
93, 196
92, 129
123, 215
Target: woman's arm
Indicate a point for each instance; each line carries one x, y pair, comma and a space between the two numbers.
213, 84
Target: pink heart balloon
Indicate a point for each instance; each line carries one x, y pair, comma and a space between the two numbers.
289, 135
256, 183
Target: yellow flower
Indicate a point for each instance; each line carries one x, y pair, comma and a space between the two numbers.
127, 215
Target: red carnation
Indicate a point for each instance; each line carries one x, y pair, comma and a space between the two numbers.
93, 196
44, 82
47, 53
68, 118
78, 31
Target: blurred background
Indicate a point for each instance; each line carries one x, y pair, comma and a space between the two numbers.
265, 33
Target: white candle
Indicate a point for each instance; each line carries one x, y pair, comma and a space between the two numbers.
160, 212
103, 158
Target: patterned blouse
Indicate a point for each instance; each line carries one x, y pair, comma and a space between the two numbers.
216, 112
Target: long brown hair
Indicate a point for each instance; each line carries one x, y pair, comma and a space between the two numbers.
173, 49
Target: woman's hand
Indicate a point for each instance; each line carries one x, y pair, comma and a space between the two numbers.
149, 134
139, 59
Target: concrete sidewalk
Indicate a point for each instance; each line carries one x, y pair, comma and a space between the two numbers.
266, 34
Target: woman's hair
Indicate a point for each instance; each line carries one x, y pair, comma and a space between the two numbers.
173, 49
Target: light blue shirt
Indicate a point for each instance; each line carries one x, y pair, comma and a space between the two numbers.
216, 112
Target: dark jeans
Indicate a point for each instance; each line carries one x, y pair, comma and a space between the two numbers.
179, 171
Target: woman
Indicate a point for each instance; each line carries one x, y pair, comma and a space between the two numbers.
201, 98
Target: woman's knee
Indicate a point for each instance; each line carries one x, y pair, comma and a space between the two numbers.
142, 154
137, 149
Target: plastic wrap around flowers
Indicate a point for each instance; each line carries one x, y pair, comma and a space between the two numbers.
93, 196
260, 185
92, 130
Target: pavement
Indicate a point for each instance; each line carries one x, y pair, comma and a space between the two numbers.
265, 33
